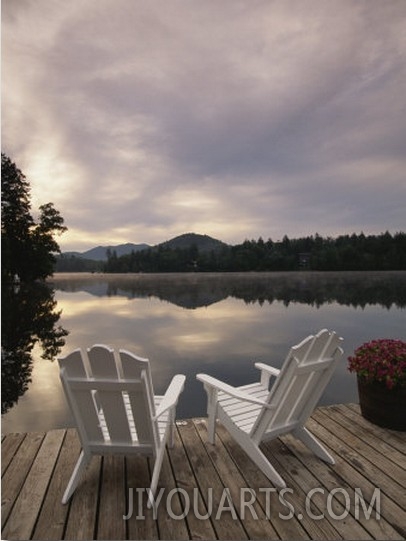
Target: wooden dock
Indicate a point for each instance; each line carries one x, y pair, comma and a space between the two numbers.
363, 496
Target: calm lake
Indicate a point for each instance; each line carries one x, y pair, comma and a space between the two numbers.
214, 323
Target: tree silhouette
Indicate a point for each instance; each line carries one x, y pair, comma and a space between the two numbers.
28, 305
28, 248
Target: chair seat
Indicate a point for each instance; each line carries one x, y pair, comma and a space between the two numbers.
242, 414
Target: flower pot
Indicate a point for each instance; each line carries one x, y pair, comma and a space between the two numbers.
382, 406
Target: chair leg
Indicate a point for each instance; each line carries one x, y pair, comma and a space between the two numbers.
312, 443
171, 438
257, 456
76, 475
155, 473
211, 429
211, 415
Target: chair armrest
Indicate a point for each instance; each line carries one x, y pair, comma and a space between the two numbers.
267, 372
272, 371
171, 396
209, 381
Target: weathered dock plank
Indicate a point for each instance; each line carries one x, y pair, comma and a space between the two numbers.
213, 492
112, 499
365, 445
9, 448
270, 503
360, 473
209, 483
25, 511
392, 447
53, 516
372, 464
138, 477
301, 477
253, 517
17, 471
82, 518
328, 480
170, 527
186, 480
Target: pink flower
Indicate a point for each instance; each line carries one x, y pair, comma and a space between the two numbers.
381, 360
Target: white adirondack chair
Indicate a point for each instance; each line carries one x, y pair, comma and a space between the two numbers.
113, 403
254, 413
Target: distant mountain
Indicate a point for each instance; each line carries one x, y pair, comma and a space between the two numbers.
204, 243
100, 252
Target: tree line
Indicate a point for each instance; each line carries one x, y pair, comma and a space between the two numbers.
29, 249
344, 253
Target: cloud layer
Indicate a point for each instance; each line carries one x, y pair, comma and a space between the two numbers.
145, 120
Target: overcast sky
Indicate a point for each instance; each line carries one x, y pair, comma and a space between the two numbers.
145, 119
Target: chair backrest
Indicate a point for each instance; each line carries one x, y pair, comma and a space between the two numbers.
112, 400
304, 375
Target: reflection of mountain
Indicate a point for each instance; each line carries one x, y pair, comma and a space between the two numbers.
185, 290
29, 317
195, 290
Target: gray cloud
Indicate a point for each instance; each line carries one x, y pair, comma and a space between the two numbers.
143, 120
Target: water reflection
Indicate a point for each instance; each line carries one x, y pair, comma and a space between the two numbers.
196, 290
29, 317
215, 323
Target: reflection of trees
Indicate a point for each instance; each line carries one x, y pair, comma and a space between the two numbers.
28, 317
315, 289
356, 289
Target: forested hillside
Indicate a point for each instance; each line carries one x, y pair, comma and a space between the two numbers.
346, 252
